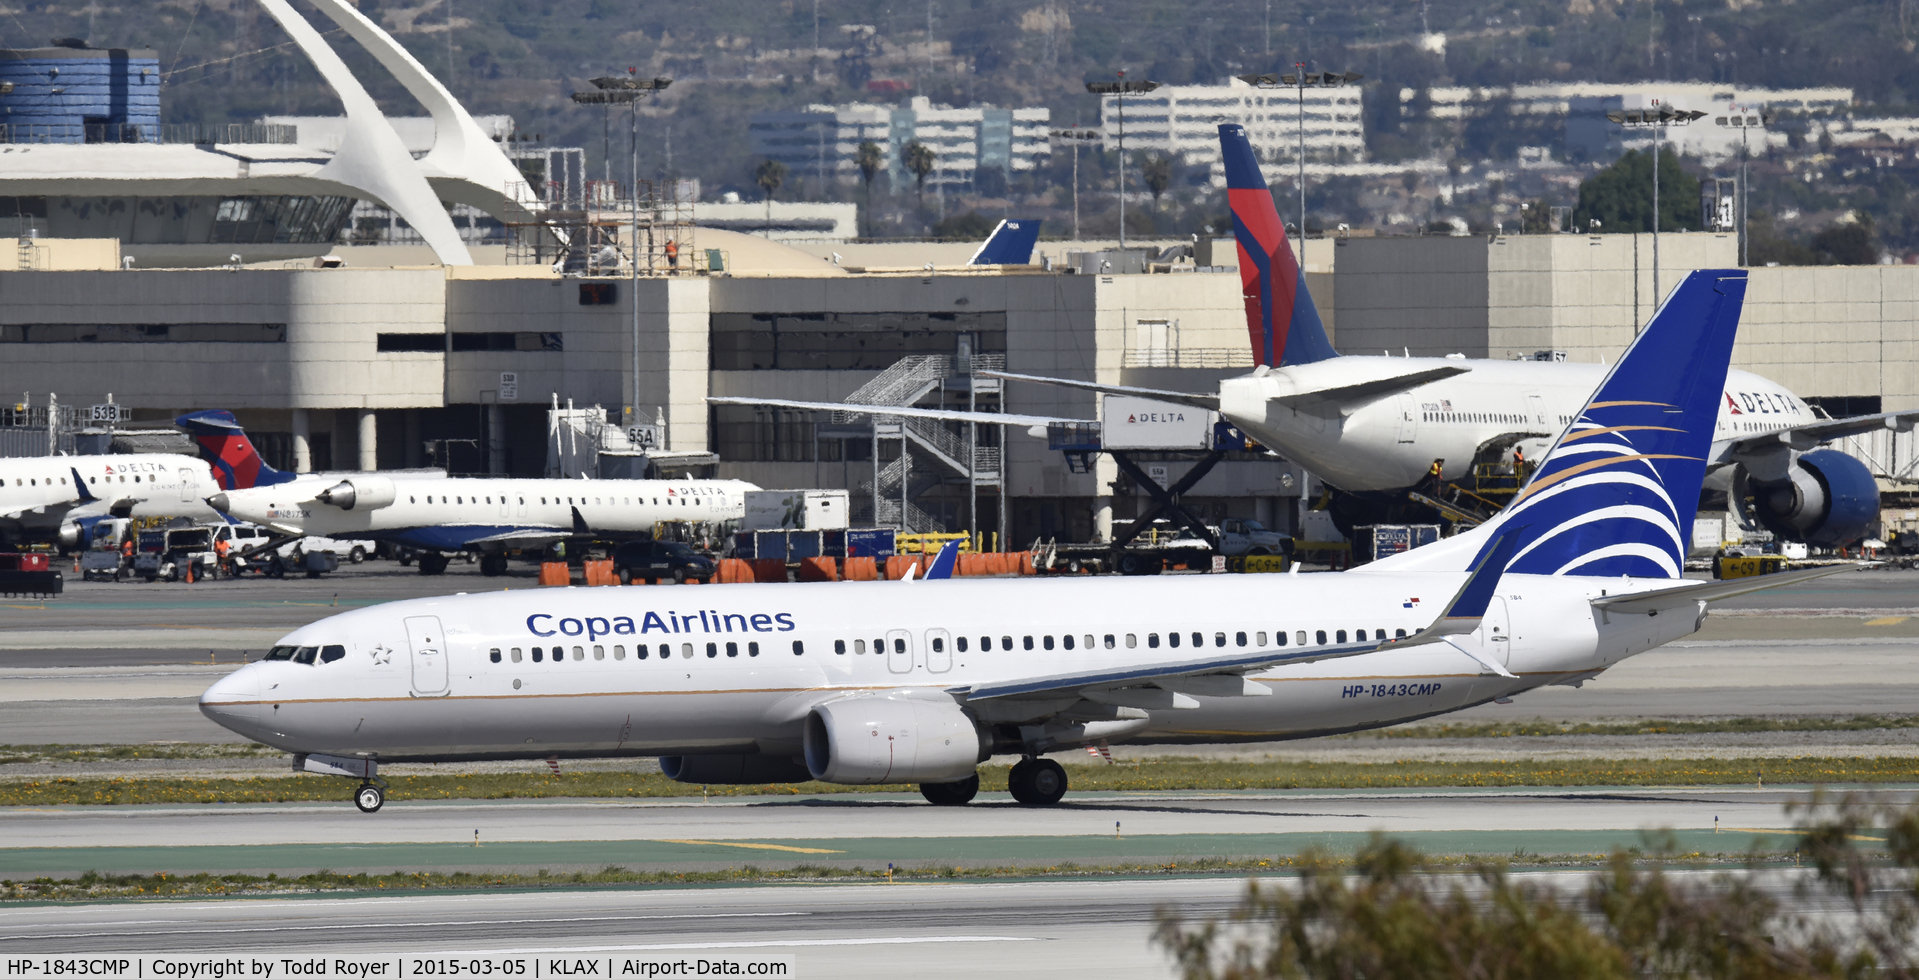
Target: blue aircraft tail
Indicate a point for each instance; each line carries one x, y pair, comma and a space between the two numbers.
1010, 244
1281, 320
1616, 495
224, 445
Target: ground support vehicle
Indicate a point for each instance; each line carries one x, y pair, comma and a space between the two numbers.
29, 574
653, 561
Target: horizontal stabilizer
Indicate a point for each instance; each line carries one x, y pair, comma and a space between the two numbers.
1349, 397
1195, 399
951, 415
1686, 595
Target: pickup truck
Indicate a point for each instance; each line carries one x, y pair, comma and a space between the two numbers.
655, 560
1238, 536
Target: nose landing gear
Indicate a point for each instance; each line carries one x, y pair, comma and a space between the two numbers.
1037, 782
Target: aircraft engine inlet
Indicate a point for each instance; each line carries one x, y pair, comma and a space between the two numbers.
1827, 498
866, 740
726, 770
359, 493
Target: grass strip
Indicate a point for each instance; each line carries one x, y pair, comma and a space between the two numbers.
41, 754
1852, 723
94, 886
1158, 775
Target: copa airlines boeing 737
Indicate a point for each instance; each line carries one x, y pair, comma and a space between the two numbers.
60, 497
866, 683
439, 515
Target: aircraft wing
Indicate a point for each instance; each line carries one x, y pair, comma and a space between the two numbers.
1167, 675
1803, 437
952, 415
1354, 395
1195, 399
1684, 596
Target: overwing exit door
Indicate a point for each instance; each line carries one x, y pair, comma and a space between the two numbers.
899, 651
428, 646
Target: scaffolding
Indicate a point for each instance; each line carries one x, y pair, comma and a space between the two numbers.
610, 228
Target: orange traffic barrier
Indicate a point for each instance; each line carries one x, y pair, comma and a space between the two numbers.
555, 573
897, 565
819, 570
862, 570
769, 570
600, 572
1024, 560
734, 570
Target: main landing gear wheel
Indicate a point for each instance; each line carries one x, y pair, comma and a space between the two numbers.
369, 798
951, 794
432, 563
1037, 782
492, 566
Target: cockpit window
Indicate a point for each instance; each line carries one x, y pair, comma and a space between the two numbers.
305, 655
332, 652
281, 653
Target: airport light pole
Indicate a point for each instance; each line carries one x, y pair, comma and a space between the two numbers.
1299, 81
1656, 118
1745, 120
1075, 138
1119, 90
629, 89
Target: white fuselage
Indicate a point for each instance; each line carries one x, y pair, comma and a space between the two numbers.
481, 504
1390, 443
671, 671
40, 495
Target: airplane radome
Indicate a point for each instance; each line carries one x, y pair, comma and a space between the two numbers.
920, 682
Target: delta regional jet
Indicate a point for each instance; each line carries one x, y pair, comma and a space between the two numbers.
886, 682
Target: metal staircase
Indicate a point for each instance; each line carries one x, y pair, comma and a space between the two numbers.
905, 383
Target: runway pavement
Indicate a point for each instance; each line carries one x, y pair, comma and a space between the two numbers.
870, 830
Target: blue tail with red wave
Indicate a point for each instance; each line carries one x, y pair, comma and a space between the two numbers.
224, 445
1283, 324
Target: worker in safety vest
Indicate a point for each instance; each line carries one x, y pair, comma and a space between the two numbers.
672, 254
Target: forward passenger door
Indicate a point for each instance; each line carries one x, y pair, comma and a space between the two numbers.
428, 646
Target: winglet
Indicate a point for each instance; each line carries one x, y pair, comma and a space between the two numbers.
86, 496
1468, 606
944, 562
1010, 244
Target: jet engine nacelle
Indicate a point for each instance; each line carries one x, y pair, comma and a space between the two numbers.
1826, 498
724, 770
359, 493
865, 740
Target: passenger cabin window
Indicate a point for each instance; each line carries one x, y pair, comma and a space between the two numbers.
686, 651
579, 653
493, 655
859, 647
514, 654
1340, 636
599, 652
1301, 637
619, 653
1399, 634
1172, 639
939, 645
961, 643
800, 647
712, 650
639, 652
732, 648
1239, 639
1219, 639
1130, 641
1199, 639
1319, 636
839, 646
1152, 641
1047, 641
1109, 641
753, 648
1260, 637
1029, 643
536, 655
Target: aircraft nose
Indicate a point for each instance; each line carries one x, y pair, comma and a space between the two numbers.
218, 502
233, 701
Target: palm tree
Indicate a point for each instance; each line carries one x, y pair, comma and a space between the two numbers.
868, 158
1158, 173
770, 176
918, 158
